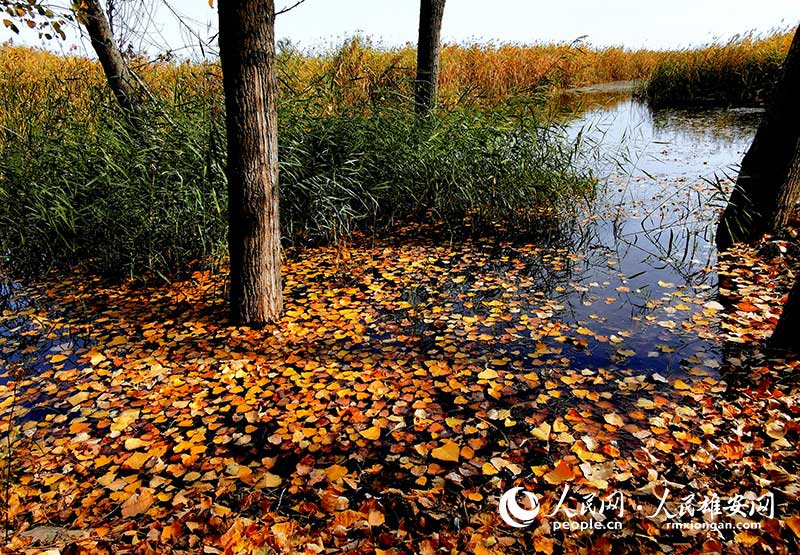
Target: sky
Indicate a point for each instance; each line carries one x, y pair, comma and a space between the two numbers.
321, 23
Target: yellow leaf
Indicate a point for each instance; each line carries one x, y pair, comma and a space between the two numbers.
271, 480
487, 374
125, 419
78, 398
372, 433
680, 384
134, 443
95, 357
336, 472
542, 431
447, 452
136, 460
489, 469
453, 422
544, 545
614, 419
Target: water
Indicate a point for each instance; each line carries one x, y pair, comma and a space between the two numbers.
648, 238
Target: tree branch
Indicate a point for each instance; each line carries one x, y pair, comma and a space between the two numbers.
290, 8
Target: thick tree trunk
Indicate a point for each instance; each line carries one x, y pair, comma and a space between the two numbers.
247, 53
787, 334
755, 199
428, 48
789, 193
119, 77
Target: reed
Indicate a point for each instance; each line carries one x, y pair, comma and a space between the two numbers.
80, 186
739, 72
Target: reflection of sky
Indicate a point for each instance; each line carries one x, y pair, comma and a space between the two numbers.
669, 143
653, 219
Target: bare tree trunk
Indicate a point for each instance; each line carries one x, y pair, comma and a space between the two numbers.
755, 199
247, 53
787, 334
120, 80
428, 47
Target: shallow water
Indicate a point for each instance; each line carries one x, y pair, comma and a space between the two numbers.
664, 176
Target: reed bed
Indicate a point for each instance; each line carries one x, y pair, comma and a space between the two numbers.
739, 72
80, 185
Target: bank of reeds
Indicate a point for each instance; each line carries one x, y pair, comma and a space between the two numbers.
80, 185
739, 72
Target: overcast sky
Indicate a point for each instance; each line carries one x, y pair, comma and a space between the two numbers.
631, 23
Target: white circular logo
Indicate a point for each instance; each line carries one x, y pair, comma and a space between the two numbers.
513, 514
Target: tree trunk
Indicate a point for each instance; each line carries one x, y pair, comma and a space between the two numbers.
754, 201
787, 334
120, 80
789, 193
428, 47
247, 54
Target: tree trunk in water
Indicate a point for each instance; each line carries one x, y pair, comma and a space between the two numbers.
787, 334
247, 54
430, 26
119, 77
752, 208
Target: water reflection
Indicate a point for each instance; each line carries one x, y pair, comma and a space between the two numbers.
664, 175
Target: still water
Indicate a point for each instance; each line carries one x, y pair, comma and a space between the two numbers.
648, 237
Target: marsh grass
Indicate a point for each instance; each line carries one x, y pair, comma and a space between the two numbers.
740, 72
80, 185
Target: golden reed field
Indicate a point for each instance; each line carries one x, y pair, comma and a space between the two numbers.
357, 71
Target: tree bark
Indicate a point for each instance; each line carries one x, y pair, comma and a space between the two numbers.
247, 54
120, 80
787, 334
426, 85
789, 193
756, 198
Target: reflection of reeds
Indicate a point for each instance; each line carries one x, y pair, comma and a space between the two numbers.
740, 72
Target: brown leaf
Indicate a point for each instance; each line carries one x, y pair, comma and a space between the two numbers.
138, 503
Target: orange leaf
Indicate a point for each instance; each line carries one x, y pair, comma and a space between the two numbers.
793, 522
447, 452
561, 473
